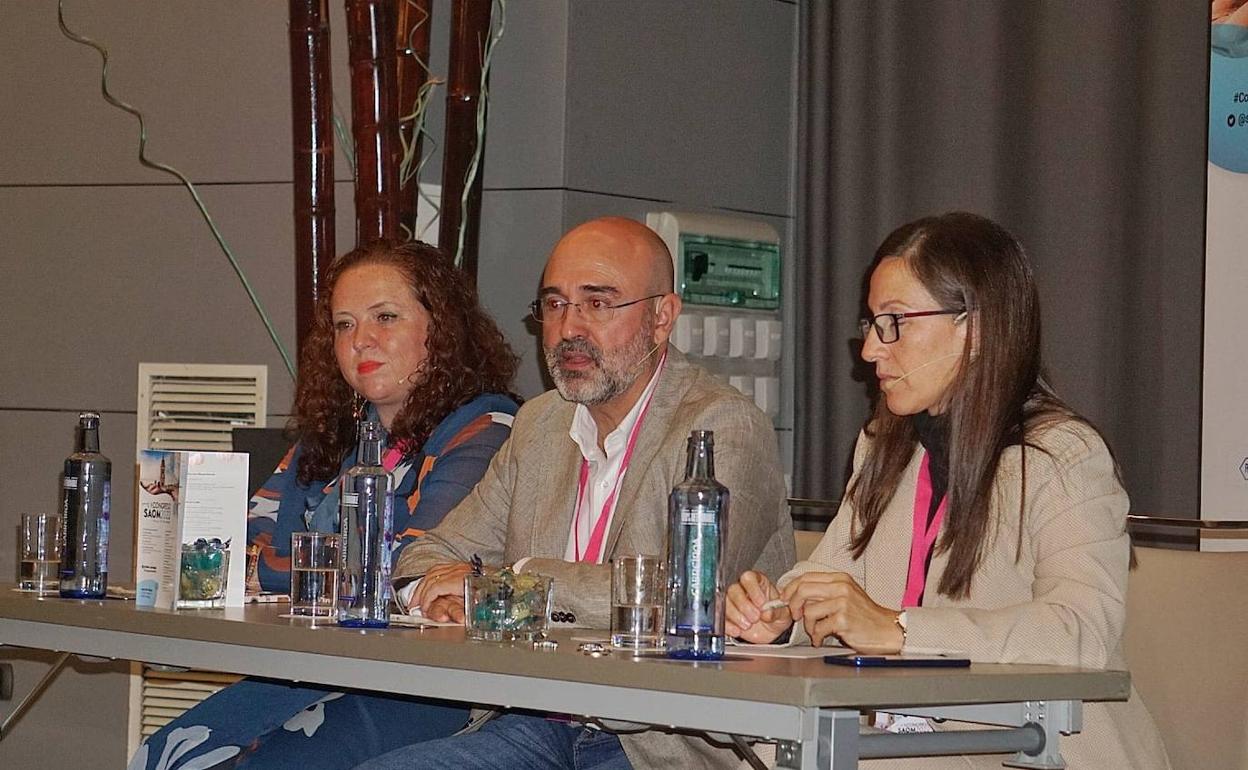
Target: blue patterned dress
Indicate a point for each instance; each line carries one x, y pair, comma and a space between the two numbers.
258, 723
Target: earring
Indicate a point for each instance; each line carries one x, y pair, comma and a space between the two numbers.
357, 406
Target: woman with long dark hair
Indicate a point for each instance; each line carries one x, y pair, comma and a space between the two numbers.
983, 514
399, 338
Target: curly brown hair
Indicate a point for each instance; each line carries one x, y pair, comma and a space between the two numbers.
466, 356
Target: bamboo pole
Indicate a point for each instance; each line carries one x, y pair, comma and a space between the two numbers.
374, 118
470, 31
415, 22
312, 134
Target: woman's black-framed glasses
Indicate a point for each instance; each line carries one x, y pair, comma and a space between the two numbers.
888, 325
596, 310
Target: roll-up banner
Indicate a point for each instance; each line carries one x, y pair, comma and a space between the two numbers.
1224, 429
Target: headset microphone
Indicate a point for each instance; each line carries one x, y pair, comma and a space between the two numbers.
919, 368
642, 360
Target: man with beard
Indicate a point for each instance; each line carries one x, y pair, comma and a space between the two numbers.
586, 474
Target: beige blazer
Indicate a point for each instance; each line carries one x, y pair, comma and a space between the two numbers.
523, 507
1062, 601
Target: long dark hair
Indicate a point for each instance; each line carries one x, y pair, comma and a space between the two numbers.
467, 356
998, 398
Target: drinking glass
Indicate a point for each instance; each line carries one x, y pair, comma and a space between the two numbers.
315, 562
41, 553
637, 591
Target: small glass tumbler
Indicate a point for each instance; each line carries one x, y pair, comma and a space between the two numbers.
315, 564
638, 589
501, 606
203, 569
41, 553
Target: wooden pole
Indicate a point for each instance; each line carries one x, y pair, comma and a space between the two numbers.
312, 134
374, 118
415, 22
470, 32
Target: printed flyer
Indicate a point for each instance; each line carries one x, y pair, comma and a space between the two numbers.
183, 497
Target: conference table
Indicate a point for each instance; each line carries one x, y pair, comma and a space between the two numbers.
809, 709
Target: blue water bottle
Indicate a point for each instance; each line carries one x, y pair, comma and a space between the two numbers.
86, 487
697, 520
366, 523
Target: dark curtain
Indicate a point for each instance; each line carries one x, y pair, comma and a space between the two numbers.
1078, 125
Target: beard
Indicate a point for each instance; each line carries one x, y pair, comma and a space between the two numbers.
612, 373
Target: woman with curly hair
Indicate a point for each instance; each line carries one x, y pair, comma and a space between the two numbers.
399, 338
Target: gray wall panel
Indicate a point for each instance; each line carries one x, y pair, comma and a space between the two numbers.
685, 102
103, 278
527, 100
211, 79
518, 230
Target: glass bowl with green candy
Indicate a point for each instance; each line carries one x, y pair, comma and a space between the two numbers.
502, 606
202, 573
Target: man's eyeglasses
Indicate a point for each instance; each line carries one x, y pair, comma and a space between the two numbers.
888, 325
597, 310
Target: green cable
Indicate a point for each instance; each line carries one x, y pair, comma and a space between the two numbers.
343, 136
417, 118
144, 160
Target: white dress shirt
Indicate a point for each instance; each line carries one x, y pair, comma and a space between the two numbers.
606, 470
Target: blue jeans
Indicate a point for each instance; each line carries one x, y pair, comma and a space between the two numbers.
513, 741
258, 723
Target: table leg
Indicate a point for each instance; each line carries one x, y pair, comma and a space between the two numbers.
829, 740
1057, 718
34, 694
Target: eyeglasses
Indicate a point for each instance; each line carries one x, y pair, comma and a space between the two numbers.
596, 310
888, 325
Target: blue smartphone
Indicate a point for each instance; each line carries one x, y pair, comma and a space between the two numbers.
896, 661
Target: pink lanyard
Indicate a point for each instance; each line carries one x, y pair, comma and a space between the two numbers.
594, 547
924, 536
393, 455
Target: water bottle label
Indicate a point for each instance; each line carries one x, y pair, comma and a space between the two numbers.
70, 482
350, 498
697, 515
101, 547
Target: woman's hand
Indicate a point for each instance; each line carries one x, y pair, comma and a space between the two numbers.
441, 592
745, 617
833, 604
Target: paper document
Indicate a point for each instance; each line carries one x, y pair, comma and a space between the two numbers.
417, 620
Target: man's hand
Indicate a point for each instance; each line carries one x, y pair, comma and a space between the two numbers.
445, 609
440, 594
745, 617
833, 604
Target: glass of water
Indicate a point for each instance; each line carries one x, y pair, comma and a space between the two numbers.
40, 561
638, 587
315, 562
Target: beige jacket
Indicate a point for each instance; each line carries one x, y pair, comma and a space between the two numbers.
1062, 602
523, 507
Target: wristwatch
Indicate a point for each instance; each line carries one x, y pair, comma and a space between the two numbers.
901, 621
